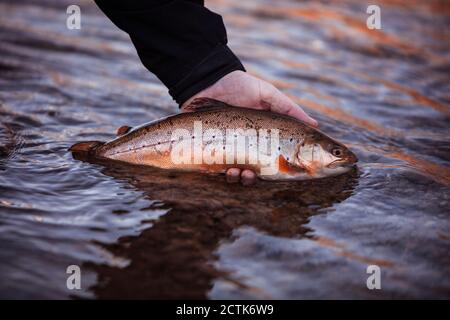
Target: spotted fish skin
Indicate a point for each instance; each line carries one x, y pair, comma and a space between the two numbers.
152, 143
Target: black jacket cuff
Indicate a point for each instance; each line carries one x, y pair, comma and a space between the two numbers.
216, 65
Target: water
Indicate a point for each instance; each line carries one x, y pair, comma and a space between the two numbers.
142, 232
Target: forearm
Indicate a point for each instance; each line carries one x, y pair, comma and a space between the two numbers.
181, 42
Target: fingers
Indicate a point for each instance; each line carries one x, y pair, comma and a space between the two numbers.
247, 177
233, 175
297, 112
280, 103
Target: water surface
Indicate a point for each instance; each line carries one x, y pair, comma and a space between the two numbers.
147, 233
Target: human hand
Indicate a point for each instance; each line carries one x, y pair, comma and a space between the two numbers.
239, 88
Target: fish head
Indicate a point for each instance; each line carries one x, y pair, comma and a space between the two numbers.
320, 156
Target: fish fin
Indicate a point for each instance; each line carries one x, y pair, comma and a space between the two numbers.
204, 104
86, 146
122, 130
285, 167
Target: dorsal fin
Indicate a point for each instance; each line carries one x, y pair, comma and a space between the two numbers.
122, 130
204, 104
285, 167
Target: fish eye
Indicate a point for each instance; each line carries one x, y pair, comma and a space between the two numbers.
337, 152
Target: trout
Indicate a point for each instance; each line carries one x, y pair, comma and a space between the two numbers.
215, 136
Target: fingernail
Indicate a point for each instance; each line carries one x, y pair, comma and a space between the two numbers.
233, 175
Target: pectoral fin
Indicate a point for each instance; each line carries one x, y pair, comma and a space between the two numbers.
287, 168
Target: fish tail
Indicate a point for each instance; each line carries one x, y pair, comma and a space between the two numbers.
88, 147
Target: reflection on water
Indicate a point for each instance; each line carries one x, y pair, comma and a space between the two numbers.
203, 213
142, 232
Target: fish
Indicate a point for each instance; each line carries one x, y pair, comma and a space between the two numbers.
213, 136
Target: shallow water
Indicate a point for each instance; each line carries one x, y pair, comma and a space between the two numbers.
142, 232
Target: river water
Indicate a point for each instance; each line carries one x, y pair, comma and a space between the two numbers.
147, 233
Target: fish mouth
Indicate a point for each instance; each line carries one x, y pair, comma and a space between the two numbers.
347, 162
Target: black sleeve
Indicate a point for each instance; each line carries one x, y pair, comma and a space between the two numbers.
180, 41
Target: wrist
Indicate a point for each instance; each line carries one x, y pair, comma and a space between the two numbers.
219, 63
